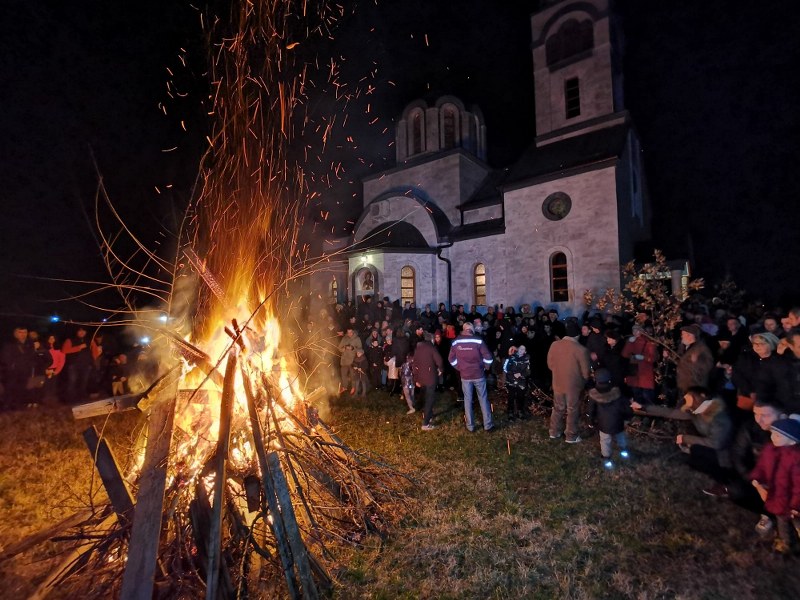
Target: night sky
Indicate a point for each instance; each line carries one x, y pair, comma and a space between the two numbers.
711, 90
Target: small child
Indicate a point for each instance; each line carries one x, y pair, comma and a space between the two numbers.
776, 477
407, 380
517, 368
360, 368
609, 410
119, 375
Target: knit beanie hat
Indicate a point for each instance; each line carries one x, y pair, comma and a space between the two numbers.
789, 427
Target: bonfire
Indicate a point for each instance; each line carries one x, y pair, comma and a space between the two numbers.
237, 488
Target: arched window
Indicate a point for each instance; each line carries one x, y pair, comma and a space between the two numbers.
407, 285
334, 292
571, 39
559, 285
449, 126
417, 133
479, 277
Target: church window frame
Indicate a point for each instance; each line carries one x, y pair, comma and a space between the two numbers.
559, 277
408, 284
416, 132
572, 97
573, 41
479, 284
450, 137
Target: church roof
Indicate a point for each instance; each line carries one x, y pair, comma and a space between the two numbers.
569, 153
488, 192
476, 230
393, 234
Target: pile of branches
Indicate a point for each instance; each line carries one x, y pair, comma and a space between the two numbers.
264, 533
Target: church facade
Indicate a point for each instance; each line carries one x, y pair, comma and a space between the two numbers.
442, 226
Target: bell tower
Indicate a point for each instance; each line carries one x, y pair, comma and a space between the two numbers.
577, 69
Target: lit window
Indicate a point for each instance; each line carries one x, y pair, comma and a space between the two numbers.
407, 285
559, 286
480, 284
572, 97
334, 297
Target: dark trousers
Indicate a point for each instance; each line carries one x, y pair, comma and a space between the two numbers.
517, 401
78, 382
430, 398
706, 460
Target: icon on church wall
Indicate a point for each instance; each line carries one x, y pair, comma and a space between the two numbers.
365, 281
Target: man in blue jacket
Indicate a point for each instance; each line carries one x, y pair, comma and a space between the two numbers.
470, 356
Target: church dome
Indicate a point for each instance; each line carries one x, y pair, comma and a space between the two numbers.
446, 125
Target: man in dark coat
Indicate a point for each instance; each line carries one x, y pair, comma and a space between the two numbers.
18, 360
427, 369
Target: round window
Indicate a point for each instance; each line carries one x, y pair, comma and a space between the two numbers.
556, 206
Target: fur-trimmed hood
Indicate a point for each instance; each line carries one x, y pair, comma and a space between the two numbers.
604, 397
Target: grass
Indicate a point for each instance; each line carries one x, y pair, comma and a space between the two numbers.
544, 520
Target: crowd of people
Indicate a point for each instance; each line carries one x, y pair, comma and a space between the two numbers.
731, 377
37, 367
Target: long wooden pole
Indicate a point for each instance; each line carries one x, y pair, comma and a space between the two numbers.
276, 523
299, 550
137, 581
220, 478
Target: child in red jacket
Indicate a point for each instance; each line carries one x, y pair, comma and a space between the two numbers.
777, 479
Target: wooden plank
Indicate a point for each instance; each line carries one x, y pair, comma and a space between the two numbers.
45, 534
137, 581
299, 550
276, 523
107, 467
214, 549
106, 406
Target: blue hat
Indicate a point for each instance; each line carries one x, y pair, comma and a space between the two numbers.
789, 427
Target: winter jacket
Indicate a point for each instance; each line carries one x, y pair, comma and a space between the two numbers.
428, 320
694, 366
609, 410
470, 356
569, 362
427, 364
644, 376
778, 469
348, 346
518, 370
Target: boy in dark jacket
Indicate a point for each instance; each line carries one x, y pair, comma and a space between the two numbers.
608, 410
517, 368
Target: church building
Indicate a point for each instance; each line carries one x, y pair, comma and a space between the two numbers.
443, 226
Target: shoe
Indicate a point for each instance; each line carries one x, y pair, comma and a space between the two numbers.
555, 437
428, 427
608, 463
717, 491
781, 546
624, 454
576, 440
471, 430
411, 411
492, 428
764, 526
512, 417
352, 391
